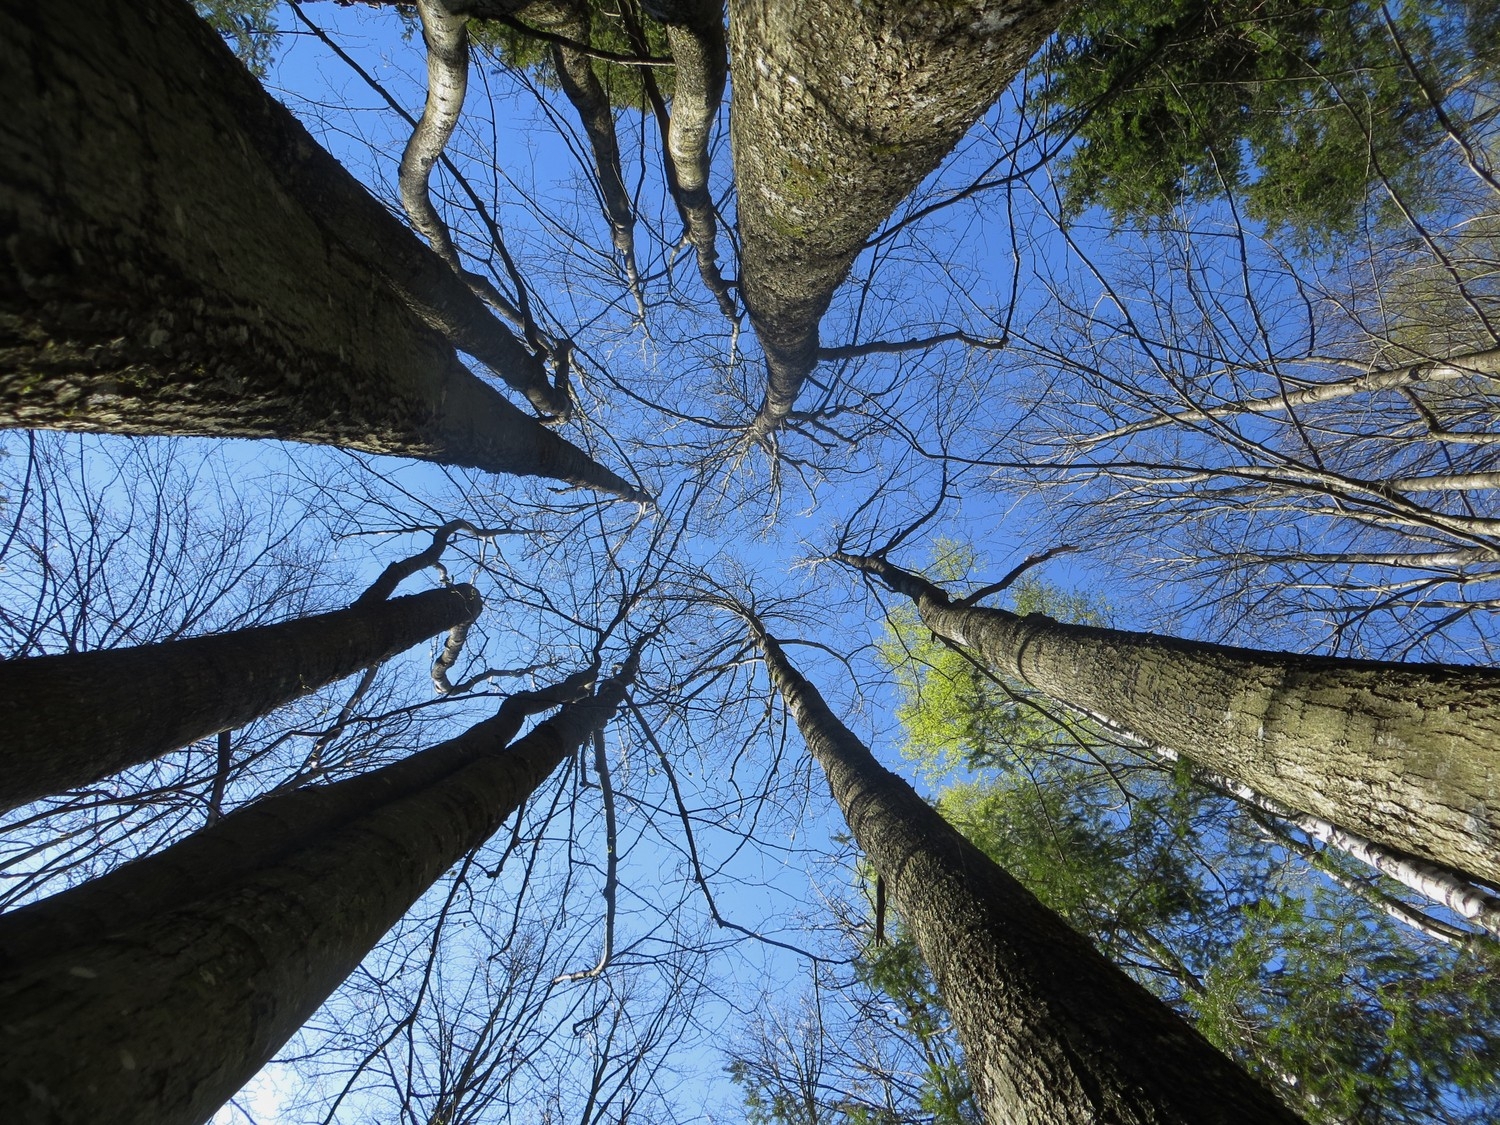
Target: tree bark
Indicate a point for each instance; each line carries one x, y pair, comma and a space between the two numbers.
700, 65
72, 719
1053, 1032
840, 110
1406, 755
181, 257
152, 994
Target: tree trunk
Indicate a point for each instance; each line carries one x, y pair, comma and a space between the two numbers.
152, 994
840, 111
1407, 755
1053, 1032
69, 720
700, 66
181, 257
571, 19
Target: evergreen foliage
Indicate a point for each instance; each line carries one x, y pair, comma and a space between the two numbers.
1302, 108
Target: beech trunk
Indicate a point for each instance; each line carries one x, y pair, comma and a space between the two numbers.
71, 719
150, 995
1053, 1032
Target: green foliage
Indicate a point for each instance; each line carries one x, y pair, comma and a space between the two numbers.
1399, 1030
622, 84
1351, 1017
1301, 108
250, 27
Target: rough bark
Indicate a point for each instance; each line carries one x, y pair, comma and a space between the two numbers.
1406, 755
180, 257
69, 720
1052, 1031
152, 994
840, 111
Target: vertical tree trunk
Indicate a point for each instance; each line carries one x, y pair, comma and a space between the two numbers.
72, 719
1053, 1032
152, 994
1407, 755
176, 260
840, 110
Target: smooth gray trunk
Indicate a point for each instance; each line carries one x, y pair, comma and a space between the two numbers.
1053, 1032
181, 257
150, 995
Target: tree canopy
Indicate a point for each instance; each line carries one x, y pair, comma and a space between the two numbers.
1177, 321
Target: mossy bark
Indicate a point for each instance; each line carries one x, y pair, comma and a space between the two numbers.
71, 719
1052, 1032
180, 257
150, 995
1407, 755
840, 110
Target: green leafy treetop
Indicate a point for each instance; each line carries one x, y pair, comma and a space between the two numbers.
1301, 108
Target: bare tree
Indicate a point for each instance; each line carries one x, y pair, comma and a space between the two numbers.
1401, 753
277, 902
72, 719
220, 302
826, 143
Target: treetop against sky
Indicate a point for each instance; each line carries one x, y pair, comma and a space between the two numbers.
918, 284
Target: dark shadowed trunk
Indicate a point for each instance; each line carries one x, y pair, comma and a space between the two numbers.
1052, 1031
840, 110
180, 257
152, 994
69, 720
1407, 755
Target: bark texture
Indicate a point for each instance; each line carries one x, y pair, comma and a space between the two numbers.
180, 257
840, 110
1052, 1031
1407, 755
69, 720
152, 994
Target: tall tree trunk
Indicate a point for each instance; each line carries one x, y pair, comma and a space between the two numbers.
1407, 755
69, 720
1053, 1032
152, 994
700, 67
840, 110
181, 257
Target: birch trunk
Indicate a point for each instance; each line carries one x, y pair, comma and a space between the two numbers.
149, 996
180, 257
1406, 755
72, 719
840, 111
1052, 1031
